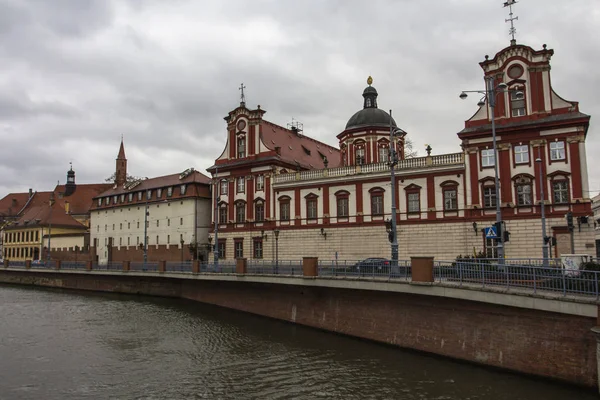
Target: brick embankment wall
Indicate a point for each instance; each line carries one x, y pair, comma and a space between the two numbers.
553, 345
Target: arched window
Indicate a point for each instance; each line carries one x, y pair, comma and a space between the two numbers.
259, 210
517, 101
413, 198
312, 208
523, 189
343, 204
450, 195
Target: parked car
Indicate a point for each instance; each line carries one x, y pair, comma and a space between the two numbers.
373, 265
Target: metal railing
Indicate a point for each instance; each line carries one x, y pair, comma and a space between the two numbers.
365, 269
514, 275
531, 277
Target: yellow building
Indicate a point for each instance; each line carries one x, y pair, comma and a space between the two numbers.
30, 236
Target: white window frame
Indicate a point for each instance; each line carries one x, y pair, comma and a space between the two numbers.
522, 154
557, 151
488, 158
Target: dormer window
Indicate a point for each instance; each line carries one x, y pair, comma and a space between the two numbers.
241, 147
182, 189
517, 102
99, 202
140, 194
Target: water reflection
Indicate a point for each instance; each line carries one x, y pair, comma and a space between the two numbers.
74, 345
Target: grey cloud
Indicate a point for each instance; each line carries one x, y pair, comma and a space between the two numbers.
89, 71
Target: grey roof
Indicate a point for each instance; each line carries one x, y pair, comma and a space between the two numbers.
370, 117
551, 118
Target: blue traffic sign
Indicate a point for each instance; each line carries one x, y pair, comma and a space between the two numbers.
490, 232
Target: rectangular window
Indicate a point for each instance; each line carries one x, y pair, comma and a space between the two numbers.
130, 197
170, 191
377, 204
148, 194
223, 215
129, 225
489, 196
258, 248
491, 248
450, 200
156, 239
128, 241
107, 200
383, 154
168, 239
560, 192
240, 213
140, 194
413, 201
522, 154
487, 158
122, 198
137, 240
239, 249
259, 211
222, 248
138, 225
360, 156
115, 199
224, 187
158, 193
157, 223
241, 184
524, 195
311, 209
120, 241
517, 103
241, 147
260, 183
342, 207
284, 210
121, 226
557, 151
180, 221
182, 189
99, 202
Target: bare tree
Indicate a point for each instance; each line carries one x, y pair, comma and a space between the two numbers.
409, 150
129, 178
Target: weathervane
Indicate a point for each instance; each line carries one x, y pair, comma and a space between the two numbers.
512, 30
243, 97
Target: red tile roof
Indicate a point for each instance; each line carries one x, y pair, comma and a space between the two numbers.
12, 203
298, 149
197, 185
38, 213
81, 200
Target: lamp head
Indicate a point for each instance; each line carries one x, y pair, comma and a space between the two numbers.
519, 95
463, 95
481, 103
539, 160
502, 86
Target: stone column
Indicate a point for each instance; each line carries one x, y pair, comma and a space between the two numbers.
241, 265
27, 264
125, 266
310, 266
422, 269
596, 331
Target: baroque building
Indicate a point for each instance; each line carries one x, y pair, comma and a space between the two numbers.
280, 194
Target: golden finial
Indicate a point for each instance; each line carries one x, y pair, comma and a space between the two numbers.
369, 80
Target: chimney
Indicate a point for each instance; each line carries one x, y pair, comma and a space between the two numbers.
278, 150
14, 202
30, 192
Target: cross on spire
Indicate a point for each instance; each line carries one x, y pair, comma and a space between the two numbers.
512, 30
243, 97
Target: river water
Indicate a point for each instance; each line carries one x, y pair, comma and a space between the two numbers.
76, 345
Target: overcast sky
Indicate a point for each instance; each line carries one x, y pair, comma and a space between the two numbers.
75, 75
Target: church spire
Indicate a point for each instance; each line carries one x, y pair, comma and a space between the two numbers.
70, 185
121, 167
370, 95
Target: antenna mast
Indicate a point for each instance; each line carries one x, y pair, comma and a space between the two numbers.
512, 30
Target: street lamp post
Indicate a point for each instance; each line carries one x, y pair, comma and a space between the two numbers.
146, 231
276, 233
51, 202
489, 94
543, 212
393, 233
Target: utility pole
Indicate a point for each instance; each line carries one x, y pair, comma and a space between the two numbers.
217, 198
393, 162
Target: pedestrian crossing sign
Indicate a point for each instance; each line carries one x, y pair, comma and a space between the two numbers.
490, 232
